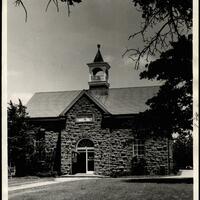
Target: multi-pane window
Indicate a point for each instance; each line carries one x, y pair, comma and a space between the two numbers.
84, 118
138, 148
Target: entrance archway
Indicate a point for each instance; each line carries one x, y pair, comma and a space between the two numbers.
84, 157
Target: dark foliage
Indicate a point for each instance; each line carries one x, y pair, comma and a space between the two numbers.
25, 149
138, 166
181, 9
183, 152
168, 23
171, 108
19, 145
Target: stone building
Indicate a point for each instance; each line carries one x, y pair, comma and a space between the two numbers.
98, 131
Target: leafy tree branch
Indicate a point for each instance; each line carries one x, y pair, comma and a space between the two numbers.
172, 18
173, 103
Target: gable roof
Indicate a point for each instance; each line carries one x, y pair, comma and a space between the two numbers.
118, 101
83, 92
50, 104
127, 100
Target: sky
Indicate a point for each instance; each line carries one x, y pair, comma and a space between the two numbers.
50, 51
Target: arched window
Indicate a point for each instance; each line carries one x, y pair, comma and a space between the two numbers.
98, 75
97, 70
85, 143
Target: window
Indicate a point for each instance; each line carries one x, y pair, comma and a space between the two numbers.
84, 118
138, 148
85, 143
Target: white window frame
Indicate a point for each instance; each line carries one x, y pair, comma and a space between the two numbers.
82, 118
136, 144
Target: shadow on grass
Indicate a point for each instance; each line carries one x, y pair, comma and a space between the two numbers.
160, 180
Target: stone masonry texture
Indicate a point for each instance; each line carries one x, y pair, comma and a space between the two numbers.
113, 148
156, 155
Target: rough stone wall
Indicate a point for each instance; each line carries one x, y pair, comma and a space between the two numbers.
51, 139
51, 149
121, 151
113, 148
156, 155
75, 131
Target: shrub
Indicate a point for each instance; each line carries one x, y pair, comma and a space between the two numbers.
138, 166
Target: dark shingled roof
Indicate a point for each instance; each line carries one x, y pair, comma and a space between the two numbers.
50, 104
127, 100
118, 101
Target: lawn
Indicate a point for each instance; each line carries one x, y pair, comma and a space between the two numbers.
26, 180
106, 189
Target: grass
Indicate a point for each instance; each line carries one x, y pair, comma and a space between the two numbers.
15, 181
106, 189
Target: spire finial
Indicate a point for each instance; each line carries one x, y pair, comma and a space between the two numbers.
98, 57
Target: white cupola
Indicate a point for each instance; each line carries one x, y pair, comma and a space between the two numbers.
99, 74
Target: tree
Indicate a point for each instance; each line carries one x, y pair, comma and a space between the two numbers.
20, 138
171, 108
168, 24
164, 22
183, 152
26, 143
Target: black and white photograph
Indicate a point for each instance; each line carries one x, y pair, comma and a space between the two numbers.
100, 100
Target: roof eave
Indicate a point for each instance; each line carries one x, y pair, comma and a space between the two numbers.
121, 115
58, 118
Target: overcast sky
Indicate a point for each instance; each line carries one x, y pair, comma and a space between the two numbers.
51, 50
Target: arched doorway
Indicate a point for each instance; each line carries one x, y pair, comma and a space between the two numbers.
84, 157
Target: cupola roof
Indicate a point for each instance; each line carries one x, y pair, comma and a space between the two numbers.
98, 57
